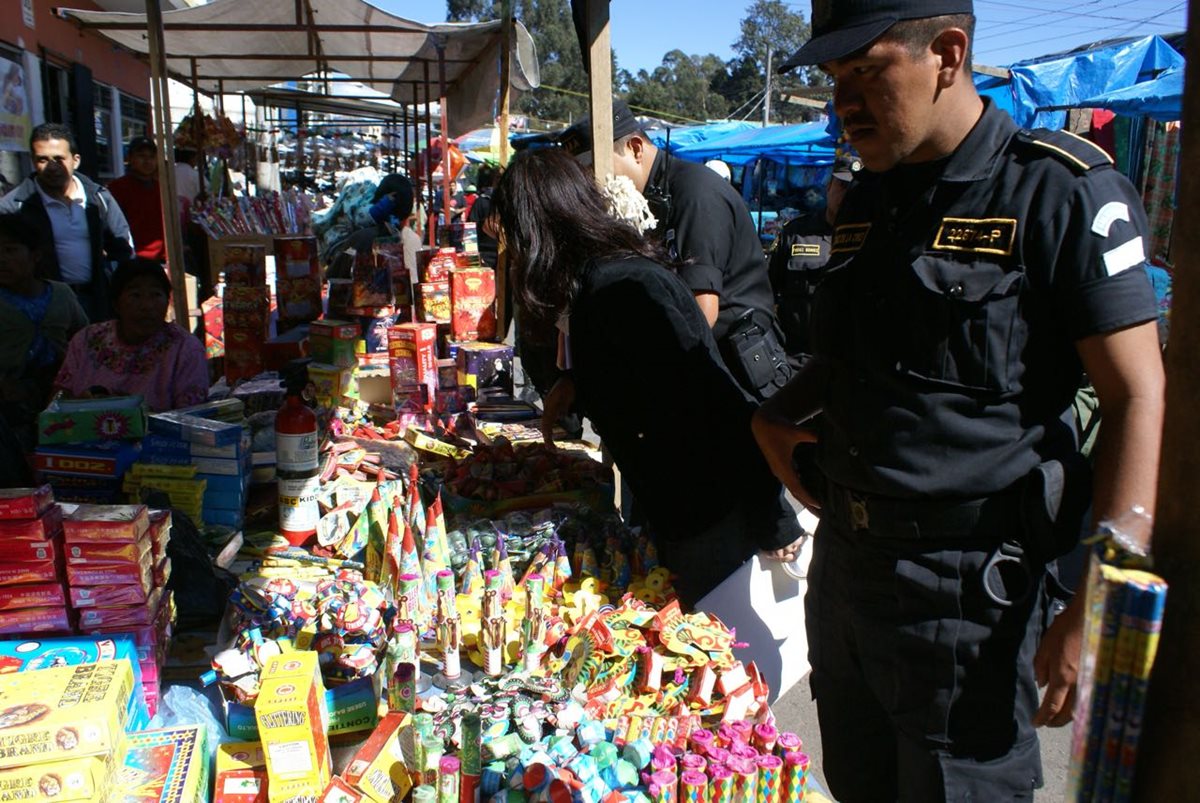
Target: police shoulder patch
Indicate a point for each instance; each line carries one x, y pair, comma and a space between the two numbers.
1079, 154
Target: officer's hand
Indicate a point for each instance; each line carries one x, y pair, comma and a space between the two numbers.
788, 553
1056, 666
777, 440
555, 405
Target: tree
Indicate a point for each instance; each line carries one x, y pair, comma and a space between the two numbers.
681, 87
770, 26
549, 23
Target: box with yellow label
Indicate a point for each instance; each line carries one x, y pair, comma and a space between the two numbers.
77, 780
241, 773
64, 712
378, 769
292, 726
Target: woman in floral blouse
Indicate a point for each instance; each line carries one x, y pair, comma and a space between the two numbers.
139, 352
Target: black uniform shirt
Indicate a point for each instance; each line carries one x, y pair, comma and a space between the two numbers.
648, 374
952, 303
798, 257
709, 226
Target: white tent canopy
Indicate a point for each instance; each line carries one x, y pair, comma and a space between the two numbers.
235, 45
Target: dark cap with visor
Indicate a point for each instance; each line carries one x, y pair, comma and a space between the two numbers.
578, 138
842, 27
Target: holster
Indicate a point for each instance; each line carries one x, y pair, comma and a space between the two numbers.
755, 354
1055, 499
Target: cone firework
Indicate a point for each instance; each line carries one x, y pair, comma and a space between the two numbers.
720, 786
794, 778
504, 567
693, 787
769, 769
472, 584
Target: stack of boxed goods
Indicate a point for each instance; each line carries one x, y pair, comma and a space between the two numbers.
241, 773
412, 358
292, 725
32, 599
331, 344
85, 446
169, 765
297, 281
116, 586
246, 308
200, 456
64, 731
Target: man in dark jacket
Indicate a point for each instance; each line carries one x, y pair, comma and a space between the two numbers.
80, 226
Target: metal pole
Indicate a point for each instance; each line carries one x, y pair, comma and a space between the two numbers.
198, 127
430, 220
767, 92
166, 172
444, 139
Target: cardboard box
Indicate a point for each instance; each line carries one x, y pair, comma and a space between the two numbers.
169, 765
372, 282
196, 430
217, 248
40, 529
32, 595
437, 266
433, 302
84, 420
100, 461
80, 780
332, 342
139, 615
352, 708
64, 712
472, 304
24, 503
17, 551
241, 773
339, 791
412, 357
244, 263
486, 366
107, 596
292, 724
39, 571
105, 553
389, 256
378, 769
36, 620
109, 523
297, 280
111, 574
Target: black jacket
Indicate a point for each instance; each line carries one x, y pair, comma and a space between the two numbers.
106, 224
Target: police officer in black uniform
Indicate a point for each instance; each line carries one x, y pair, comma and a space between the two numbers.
798, 257
704, 223
976, 271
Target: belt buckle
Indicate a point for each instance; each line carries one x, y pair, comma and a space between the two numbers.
860, 518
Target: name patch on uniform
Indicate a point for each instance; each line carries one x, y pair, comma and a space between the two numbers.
849, 237
806, 249
977, 235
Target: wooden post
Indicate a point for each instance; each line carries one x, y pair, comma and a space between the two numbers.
1171, 731
600, 60
164, 139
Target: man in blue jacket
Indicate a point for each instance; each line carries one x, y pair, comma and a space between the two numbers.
81, 228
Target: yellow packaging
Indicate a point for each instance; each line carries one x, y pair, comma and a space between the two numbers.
81, 780
63, 713
378, 769
292, 725
421, 441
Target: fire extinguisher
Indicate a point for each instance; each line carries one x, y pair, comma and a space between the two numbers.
296, 459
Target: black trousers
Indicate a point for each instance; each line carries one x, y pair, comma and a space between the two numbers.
702, 561
922, 644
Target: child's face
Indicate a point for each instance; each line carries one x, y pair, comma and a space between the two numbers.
17, 263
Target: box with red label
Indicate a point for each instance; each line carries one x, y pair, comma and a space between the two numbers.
29, 551
332, 342
107, 553
111, 574
107, 596
297, 280
124, 615
241, 773
121, 523
36, 620
433, 302
24, 503
244, 265
412, 357
246, 312
214, 327
30, 571
372, 282
32, 595
472, 304
438, 266
378, 769
41, 529
96, 461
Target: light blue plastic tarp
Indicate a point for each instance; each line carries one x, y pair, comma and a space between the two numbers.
1161, 98
1055, 82
683, 136
799, 144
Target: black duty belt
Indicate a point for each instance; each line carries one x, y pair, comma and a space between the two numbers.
986, 517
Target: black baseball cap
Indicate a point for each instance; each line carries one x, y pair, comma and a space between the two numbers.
842, 27
577, 139
141, 143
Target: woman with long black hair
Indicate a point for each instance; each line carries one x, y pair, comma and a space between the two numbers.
644, 368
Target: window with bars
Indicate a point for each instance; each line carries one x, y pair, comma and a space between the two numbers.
102, 115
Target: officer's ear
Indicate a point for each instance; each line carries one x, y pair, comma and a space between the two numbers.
952, 48
636, 146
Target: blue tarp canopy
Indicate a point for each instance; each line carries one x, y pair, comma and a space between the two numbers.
1161, 98
1040, 88
805, 143
685, 135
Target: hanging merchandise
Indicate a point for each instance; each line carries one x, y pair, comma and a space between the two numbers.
220, 136
296, 460
433, 154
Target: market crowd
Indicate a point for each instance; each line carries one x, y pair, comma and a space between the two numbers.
905, 363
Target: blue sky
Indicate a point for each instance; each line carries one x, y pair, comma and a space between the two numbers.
1008, 30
